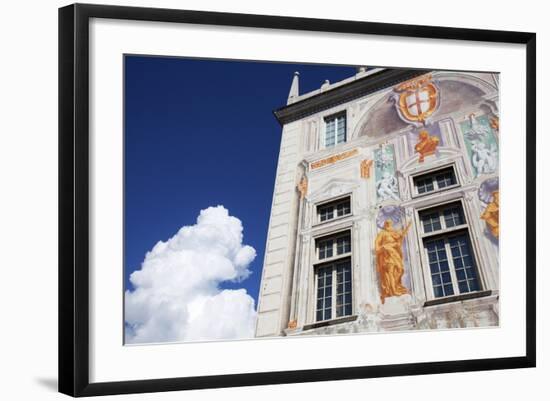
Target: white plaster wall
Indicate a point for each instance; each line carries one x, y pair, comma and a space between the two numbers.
273, 306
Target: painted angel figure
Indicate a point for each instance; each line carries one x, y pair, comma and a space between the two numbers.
484, 159
384, 160
477, 131
386, 187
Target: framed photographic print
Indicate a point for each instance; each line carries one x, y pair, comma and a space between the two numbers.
249, 199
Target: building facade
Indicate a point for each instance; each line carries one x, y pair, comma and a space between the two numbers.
385, 206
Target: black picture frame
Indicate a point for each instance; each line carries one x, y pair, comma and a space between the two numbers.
74, 193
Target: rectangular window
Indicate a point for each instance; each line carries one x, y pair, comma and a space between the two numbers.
435, 181
334, 300
335, 130
448, 251
442, 218
332, 210
334, 246
333, 278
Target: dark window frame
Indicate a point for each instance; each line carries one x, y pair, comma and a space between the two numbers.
428, 181
449, 270
332, 208
338, 279
335, 117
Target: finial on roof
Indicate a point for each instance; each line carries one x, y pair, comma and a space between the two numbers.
294, 88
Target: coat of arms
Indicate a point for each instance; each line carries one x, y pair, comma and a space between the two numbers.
417, 99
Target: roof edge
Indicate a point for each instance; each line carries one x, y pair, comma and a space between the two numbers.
344, 93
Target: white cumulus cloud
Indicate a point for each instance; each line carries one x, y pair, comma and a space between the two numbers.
176, 295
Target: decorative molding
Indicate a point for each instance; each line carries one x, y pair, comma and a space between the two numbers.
302, 187
459, 298
333, 159
332, 190
366, 166
345, 319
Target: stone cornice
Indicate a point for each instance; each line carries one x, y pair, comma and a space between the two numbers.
345, 93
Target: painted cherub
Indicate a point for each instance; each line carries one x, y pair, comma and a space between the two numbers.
484, 159
386, 187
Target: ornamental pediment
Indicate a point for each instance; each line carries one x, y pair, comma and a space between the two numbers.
332, 189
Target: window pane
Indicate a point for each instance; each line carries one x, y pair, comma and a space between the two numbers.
445, 179
448, 290
439, 268
319, 316
343, 293
330, 132
347, 310
325, 249
324, 293
343, 208
430, 222
474, 285
464, 263
453, 216
326, 213
426, 183
343, 245
455, 251
341, 129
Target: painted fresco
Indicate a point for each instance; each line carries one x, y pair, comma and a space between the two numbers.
481, 144
396, 215
386, 181
489, 195
413, 137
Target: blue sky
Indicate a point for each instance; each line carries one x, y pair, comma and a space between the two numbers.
201, 133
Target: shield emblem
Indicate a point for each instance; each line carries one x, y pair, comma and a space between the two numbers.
418, 99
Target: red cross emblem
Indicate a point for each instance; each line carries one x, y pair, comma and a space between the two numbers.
417, 100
